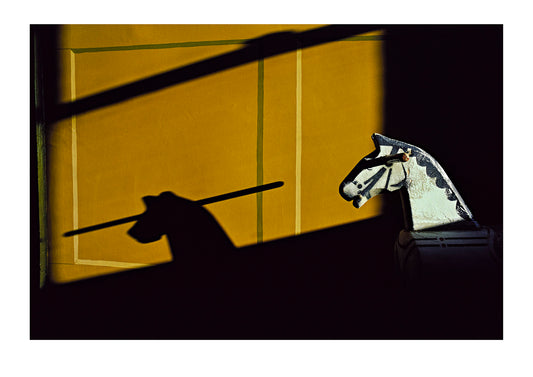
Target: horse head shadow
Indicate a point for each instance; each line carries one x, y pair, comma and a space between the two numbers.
192, 232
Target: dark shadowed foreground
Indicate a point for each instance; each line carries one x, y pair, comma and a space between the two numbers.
338, 283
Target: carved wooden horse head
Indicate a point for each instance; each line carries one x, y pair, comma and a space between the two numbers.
430, 198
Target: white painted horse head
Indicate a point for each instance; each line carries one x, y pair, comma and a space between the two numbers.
431, 198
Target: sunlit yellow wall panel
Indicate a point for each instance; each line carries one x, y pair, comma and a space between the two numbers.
204, 137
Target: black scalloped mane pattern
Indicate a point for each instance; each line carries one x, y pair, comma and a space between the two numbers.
425, 160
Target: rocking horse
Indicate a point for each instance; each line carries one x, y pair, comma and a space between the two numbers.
440, 233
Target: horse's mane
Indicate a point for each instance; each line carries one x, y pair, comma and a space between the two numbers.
432, 168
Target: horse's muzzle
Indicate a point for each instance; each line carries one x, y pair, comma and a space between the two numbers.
348, 190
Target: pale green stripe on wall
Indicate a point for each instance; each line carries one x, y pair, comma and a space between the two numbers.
226, 42
260, 104
160, 46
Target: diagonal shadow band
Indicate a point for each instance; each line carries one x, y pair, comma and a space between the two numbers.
255, 49
213, 199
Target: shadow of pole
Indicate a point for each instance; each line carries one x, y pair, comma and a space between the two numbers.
201, 202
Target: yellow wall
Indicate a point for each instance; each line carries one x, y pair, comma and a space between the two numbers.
200, 138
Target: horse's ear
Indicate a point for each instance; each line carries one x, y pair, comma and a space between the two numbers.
378, 140
381, 141
149, 200
167, 194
